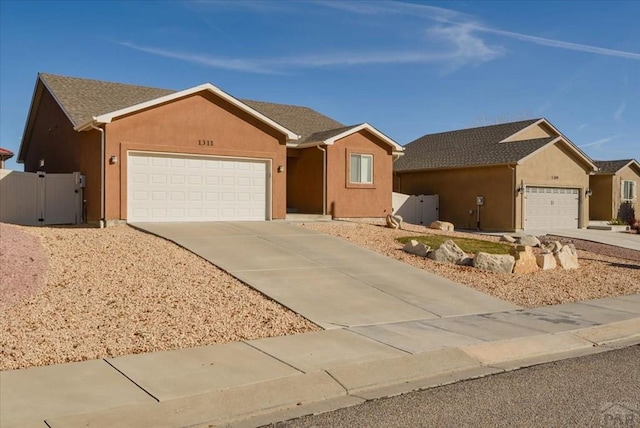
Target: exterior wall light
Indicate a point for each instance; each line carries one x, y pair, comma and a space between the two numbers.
588, 192
280, 168
113, 160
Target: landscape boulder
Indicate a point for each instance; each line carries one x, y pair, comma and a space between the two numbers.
394, 221
416, 247
442, 225
529, 240
567, 257
546, 261
525, 259
508, 238
448, 252
499, 263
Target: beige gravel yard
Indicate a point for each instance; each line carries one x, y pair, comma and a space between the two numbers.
72, 294
610, 271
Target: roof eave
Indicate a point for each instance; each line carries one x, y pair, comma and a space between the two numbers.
108, 117
395, 146
561, 138
442, 168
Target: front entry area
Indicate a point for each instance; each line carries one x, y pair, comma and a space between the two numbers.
184, 188
552, 208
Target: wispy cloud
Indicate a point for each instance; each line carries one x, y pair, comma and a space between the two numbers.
455, 41
461, 48
617, 115
561, 44
582, 126
600, 142
456, 18
234, 64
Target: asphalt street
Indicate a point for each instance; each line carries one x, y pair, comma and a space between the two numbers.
601, 390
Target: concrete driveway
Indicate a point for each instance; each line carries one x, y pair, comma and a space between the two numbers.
325, 279
618, 239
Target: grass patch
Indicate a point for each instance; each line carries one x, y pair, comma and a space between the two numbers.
467, 245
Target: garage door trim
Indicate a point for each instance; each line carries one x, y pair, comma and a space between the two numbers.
569, 193
268, 162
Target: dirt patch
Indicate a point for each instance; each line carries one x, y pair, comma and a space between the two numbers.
117, 291
614, 272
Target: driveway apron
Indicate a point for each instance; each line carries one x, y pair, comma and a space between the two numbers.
325, 279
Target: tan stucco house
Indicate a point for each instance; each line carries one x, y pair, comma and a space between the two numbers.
200, 154
513, 176
615, 190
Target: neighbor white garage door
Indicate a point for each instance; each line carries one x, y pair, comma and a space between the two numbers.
163, 188
552, 208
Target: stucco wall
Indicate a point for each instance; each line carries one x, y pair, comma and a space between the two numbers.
458, 189
304, 180
64, 150
625, 174
345, 199
555, 166
538, 131
601, 202
179, 127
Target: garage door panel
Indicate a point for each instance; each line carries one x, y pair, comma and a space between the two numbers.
180, 188
551, 208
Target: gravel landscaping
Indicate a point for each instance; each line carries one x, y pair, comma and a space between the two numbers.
604, 270
73, 294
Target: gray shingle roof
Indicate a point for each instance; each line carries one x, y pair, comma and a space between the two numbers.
84, 98
611, 166
301, 120
469, 147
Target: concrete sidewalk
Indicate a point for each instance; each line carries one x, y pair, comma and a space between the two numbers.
325, 279
261, 381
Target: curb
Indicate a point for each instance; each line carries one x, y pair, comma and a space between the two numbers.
347, 385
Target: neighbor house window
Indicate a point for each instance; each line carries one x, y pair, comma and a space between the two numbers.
361, 168
628, 190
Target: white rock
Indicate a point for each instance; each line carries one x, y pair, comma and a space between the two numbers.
441, 225
508, 238
546, 261
500, 263
529, 240
394, 221
417, 248
567, 257
448, 252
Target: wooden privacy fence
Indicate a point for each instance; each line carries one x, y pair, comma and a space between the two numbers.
38, 198
417, 209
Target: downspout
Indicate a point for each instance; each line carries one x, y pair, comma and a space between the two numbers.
324, 179
513, 193
102, 215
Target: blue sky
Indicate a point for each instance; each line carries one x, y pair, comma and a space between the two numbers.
408, 69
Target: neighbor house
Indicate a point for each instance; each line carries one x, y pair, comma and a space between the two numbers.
615, 190
200, 154
507, 177
4, 156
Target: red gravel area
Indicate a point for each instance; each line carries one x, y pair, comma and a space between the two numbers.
23, 265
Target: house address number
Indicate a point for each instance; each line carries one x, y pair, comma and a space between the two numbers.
205, 142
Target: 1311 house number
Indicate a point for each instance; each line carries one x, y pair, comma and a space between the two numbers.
205, 142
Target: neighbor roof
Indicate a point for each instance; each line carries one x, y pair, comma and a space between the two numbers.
613, 166
473, 147
5, 154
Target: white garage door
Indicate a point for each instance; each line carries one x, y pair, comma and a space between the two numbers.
165, 188
552, 208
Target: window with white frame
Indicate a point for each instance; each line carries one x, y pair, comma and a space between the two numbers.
361, 168
628, 190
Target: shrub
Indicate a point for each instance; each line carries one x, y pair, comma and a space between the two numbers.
635, 225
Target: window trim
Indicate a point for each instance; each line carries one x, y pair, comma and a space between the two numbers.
371, 171
632, 190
